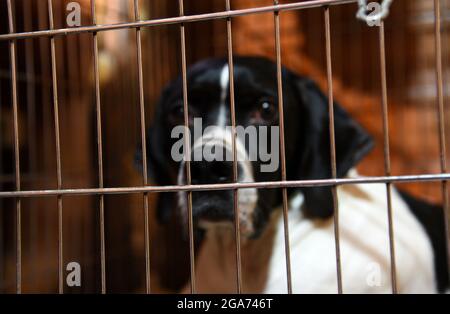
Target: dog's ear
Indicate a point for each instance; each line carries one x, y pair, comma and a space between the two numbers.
313, 157
158, 165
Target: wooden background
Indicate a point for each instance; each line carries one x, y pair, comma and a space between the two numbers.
412, 117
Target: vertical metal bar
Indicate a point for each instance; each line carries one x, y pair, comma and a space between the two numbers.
12, 52
235, 169
441, 120
31, 125
74, 52
31, 83
100, 154
332, 146
282, 148
143, 146
44, 83
2, 182
58, 151
46, 142
187, 145
387, 158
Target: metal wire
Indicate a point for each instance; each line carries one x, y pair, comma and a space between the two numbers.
229, 186
30, 79
326, 13
12, 51
58, 151
143, 147
235, 168
188, 147
175, 20
283, 184
441, 120
99, 154
387, 158
282, 147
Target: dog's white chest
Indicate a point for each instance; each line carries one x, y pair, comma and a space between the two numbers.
364, 243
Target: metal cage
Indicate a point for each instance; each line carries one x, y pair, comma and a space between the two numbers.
137, 26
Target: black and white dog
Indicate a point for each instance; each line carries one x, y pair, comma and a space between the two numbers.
419, 228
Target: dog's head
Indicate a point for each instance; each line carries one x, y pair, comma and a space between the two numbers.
307, 142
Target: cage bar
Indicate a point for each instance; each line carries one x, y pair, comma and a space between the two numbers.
143, 147
276, 17
229, 186
58, 151
326, 12
441, 119
175, 20
235, 168
187, 145
333, 182
387, 158
99, 154
12, 51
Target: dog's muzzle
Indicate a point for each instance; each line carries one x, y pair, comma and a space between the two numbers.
211, 163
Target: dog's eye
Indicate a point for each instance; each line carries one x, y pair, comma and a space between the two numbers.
266, 112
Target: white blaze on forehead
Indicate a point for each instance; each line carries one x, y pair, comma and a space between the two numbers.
224, 86
224, 81
221, 136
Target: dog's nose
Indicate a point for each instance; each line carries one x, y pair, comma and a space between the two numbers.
207, 172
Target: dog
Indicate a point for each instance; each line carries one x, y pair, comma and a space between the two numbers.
419, 228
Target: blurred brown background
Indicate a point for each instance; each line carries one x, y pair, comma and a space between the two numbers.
355, 57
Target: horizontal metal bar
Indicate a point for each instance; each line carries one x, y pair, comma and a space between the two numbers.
174, 20
230, 186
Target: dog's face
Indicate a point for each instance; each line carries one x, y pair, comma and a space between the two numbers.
257, 142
